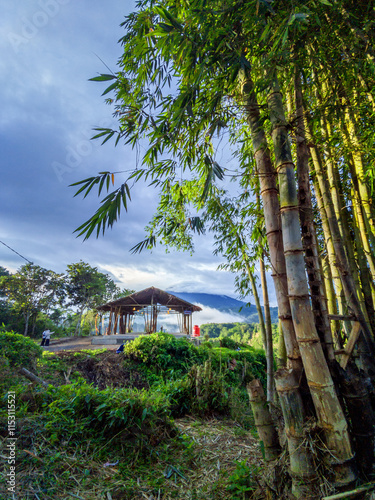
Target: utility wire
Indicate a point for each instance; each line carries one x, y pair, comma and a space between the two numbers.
27, 260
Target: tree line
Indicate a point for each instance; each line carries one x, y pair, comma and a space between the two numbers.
34, 298
289, 85
242, 333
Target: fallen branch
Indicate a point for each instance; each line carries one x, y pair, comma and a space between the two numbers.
32, 377
350, 494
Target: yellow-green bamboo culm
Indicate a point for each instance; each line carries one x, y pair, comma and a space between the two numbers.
328, 409
263, 421
302, 467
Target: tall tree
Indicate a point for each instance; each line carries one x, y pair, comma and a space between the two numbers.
87, 288
33, 289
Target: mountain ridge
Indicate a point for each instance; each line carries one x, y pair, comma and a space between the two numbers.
225, 304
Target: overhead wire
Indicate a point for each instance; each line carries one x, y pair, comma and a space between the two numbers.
27, 260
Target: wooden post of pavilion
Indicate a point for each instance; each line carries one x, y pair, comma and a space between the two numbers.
154, 316
117, 313
121, 326
109, 328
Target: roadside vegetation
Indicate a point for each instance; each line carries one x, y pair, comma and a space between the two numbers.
34, 299
165, 419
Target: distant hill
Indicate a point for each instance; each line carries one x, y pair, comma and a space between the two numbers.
225, 307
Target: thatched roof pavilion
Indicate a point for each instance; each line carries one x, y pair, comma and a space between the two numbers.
150, 303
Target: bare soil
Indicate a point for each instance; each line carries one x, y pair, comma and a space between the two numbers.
104, 370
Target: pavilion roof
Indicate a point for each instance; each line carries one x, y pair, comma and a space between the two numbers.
148, 297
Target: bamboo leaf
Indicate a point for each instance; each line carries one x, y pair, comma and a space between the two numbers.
102, 78
109, 136
166, 27
146, 243
111, 87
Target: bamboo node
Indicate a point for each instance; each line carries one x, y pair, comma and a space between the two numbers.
316, 385
284, 164
286, 208
288, 389
285, 317
308, 341
303, 296
273, 231
269, 190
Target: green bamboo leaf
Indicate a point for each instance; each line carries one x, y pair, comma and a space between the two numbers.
102, 78
111, 87
103, 131
285, 37
164, 13
90, 187
142, 245
101, 184
117, 139
89, 179
165, 27
109, 136
218, 171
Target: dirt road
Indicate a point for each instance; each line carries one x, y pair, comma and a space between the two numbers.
76, 344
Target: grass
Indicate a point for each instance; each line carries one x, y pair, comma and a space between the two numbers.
196, 464
116, 439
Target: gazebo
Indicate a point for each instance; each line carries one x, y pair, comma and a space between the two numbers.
148, 303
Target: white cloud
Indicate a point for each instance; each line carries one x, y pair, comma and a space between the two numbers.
211, 315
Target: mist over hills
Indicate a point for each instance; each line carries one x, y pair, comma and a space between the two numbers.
222, 309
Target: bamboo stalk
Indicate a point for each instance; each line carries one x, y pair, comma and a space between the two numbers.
269, 344
258, 306
365, 277
358, 404
318, 298
281, 352
331, 230
263, 421
354, 336
302, 467
343, 267
329, 412
271, 207
363, 187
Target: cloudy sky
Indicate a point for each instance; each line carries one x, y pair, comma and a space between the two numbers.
49, 50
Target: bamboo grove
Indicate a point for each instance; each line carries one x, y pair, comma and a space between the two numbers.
290, 87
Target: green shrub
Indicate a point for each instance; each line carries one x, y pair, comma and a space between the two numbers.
82, 410
200, 392
229, 343
163, 352
19, 350
6, 373
242, 483
240, 366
